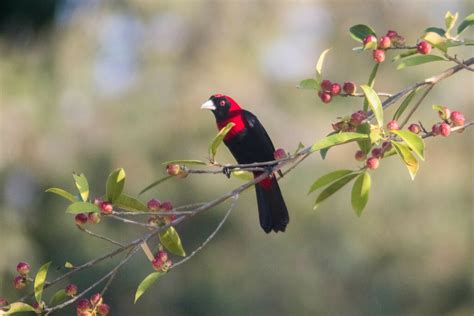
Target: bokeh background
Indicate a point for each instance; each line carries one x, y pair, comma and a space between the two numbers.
92, 85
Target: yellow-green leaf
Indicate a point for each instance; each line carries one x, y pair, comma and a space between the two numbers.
364, 144
218, 139
115, 184
171, 241
82, 185
360, 193
450, 20
308, 84
243, 175
68, 265
328, 178
374, 103
185, 162
319, 68
469, 20
371, 84
130, 203
154, 184
58, 297
404, 104
146, 283
437, 41
418, 60
17, 307
333, 188
414, 141
407, 157
82, 207
39, 280
62, 193
337, 139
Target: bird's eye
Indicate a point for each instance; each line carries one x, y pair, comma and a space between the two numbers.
222, 103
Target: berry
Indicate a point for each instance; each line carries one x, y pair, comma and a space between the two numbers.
444, 129
358, 117
372, 163
173, 169
19, 282
349, 87
398, 41
377, 152
384, 42
279, 154
335, 89
103, 309
393, 125
378, 55
369, 39
106, 208
83, 305
386, 146
71, 290
435, 129
445, 113
157, 264
23, 268
414, 128
3, 302
326, 97
423, 47
96, 299
360, 155
457, 118
391, 34
153, 205
167, 206
81, 219
326, 85
162, 255
93, 218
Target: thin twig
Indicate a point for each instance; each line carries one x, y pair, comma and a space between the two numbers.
128, 221
457, 61
453, 129
100, 236
361, 95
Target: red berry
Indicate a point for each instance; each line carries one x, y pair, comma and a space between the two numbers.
349, 87
103, 309
71, 290
83, 305
167, 206
93, 218
378, 55
19, 282
173, 169
3, 302
335, 89
384, 42
23, 268
162, 255
154, 205
393, 125
372, 163
377, 152
457, 118
157, 264
358, 117
360, 155
391, 34
106, 208
96, 299
435, 129
423, 47
326, 85
369, 39
326, 97
279, 154
81, 219
414, 128
444, 129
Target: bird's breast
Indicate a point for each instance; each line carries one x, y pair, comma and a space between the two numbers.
238, 128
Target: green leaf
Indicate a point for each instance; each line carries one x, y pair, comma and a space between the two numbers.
115, 184
146, 283
337, 139
370, 46
319, 68
323, 152
308, 84
408, 53
130, 204
360, 31
450, 20
374, 103
418, 60
371, 83
62, 193
300, 146
404, 104
438, 108
243, 175
58, 297
437, 30
218, 140
171, 241
375, 134
407, 157
413, 141
154, 184
333, 188
68, 265
366, 144
82, 207
360, 193
436, 40
184, 162
40, 279
328, 178
17, 307
82, 185
468, 21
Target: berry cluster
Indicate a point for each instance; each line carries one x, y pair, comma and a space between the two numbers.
448, 119
377, 153
155, 205
161, 263
329, 89
391, 39
106, 208
350, 124
19, 282
94, 306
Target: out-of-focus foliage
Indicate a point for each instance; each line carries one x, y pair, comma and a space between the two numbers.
119, 84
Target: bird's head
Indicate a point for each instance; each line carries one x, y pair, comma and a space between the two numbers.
221, 105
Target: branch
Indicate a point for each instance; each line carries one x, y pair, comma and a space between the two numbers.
454, 129
100, 236
457, 61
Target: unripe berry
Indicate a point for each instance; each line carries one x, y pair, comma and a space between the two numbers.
349, 87
393, 125
435, 129
173, 169
162, 255
457, 118
326, 97
153, 205
414, 128
96, 299
3, 302
369, 39
103, 309
378, 55
384, 42
19, 282
83, 305
326, 85
391, 34
157, 264
335, 89
93, 218
423, 47
71, 290
398, 41
81, 219
358, 117
106, 208
360, 155
444, 129
279, 154
167, 206
377, 152
23, 268
445, 113
372, 163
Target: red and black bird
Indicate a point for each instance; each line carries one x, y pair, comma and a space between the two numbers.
249, 142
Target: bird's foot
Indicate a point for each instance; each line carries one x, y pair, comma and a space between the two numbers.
227, 171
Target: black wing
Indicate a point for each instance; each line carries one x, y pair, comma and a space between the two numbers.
259, 136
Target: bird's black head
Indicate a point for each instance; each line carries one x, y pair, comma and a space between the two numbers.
221, 105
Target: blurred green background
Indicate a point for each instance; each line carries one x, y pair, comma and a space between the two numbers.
91, 85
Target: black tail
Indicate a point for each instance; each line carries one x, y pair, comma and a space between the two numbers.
272, 210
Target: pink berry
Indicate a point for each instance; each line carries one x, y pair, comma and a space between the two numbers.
393, 125
378, 55
71, 290
19, 282
391, 34
23, 268
173, 169
377, 152
423, 47
96, 299
444, 129
414, 128
153, 205
157, 264
93, 218
81, 219
435, 129
167, 206
457, 118
369, 39
83, 305
162, 255
372, 163
445, 113
103, 309
349, 87
3, 302
335, 89
384, 42
358, 117
360, 155
106, 208
326, 97
279, 154
326, 85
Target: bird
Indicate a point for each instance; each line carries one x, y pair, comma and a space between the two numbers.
249, 142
